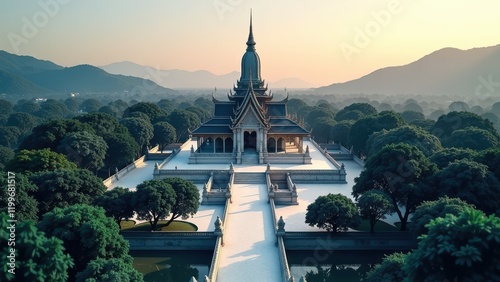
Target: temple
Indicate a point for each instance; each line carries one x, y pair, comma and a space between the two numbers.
250, 127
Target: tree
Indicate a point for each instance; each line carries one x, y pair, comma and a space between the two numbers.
10, 136
318, 112
150, 109
491, 158
389, 270
471, 182
448, 155
425, 142
32, 161
458, 248
72, 104
187, 198
109, 270
110, 110
401, 171
52, 109
117, 203
321, 129
414, 107
49, 134
90, 105
153, 200
472, 138
38, 257
333, 212
373, 206
86, 149
459, 106
24, 121
122, 149
425, 124
6, 154
5, 107
452, 121
141, 130
25, 204
410, 116
102, 123
87, 234
364, 109
166, 105
183, 121
62, 188
430, 210
340, 133
25, 106
363, 128
205, 103
163, 134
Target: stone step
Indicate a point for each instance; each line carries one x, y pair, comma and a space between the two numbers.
249, 178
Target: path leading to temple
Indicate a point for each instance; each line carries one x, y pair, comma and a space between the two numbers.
249, 252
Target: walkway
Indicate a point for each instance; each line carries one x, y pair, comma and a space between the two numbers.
249, 253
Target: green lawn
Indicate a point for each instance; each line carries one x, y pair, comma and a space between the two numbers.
176, 225
379, 226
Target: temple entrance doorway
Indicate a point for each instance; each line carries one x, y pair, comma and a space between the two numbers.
250, 140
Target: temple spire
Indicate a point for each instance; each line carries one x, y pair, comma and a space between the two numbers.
250, 41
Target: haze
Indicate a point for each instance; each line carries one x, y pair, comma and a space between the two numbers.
321, 42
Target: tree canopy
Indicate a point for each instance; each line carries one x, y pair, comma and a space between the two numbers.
430, 210
112, 269
187, 198
452, 121
150, 109
32, 161
117, 203
458, 248
471, 138
389, 270
62, 188
163, 134
87, 234
153, 200
399, 170
373, 206
471, 182
84, 148
183, 121
141, 130
26, 204
333, 212
425, 142
448, 155
38, 257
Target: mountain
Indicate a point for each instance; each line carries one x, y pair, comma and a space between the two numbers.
174, 78
191, 79
25, 75
448, 71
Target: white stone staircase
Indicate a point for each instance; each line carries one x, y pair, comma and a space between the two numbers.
249, 178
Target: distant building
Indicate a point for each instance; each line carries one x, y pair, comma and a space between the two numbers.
249, 127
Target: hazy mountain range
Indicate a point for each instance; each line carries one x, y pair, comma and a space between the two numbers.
191, 79
25, 75
448, 71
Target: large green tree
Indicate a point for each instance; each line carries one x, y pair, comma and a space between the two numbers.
333, 212
62, 188
452, 121
87, 234
427, 143
109, 270
150, 109
471, 138
399, 170
6, 107
49, 134
471, 182
355, 111
430, 210
374, 205
10, 136
24, 121
6, 154
321, 129
117, 203
458, 248
122, 150
448, 155
187, 198
26, 206
32, 161
389, 270
26, 106
340, 133
153, 200
84, 148
163, 134
363, 128
37, 257
141, 130
183, 121
491, 158
102, 123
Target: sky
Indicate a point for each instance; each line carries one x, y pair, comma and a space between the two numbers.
321, 42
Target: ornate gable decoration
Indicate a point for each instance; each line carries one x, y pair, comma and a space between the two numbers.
250, 119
